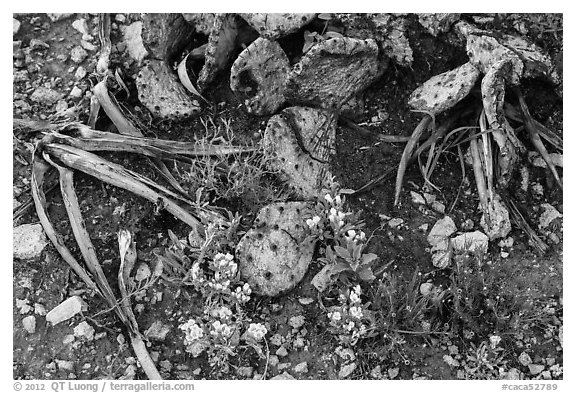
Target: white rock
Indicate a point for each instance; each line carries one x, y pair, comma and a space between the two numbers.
76, 92
245, 371
438, 236
88, 46
561, 336
16, 26
29, 324
66, 310
393, 372
81, 26
513, 374
524, 359
301, 368
536, 369
28, 241
297, 321
45, 96
395, 222
120, 18
426, 289
78, 54
441, 258
282, 351
39, 309
157, 331
66, 365
346, 370
537, 160
550, 214
61, 106
283, 376
80, 73
473, 242
417, 198
438, 207
133, 40
83, 329
58, 17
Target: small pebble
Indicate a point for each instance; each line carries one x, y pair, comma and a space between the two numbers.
29, 324
78, 54
282, 351
301, 368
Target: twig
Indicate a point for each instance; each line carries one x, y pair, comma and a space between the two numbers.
384, 138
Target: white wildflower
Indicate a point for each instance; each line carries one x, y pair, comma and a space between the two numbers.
356, 312
313, 222
221, 312
256, 331
221, 329
335, 316
192, 330
328, 197
494, 341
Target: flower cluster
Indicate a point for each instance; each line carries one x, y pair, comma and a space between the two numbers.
224, 269
192, 331
355, 237
256, 332
347, 319
242, 294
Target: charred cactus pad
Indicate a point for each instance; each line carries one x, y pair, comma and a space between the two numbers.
274, 256
165, 35
274, 26
220, 50
333, 71
300, 142
260, 74
161, 92
443, 91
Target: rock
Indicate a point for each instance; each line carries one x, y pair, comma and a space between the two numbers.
496, 221
76, 92
376, 372
29, 324
78, 54
283, 376
561, 336
274, 360
395, 222
537, 160
282, 352
83, 329
274, 26
66, 310
132, 35
61, 106
15, 26
39, 309
161, 92
427, 289
440, 232
66, 365
333, 71
548, 215
36, 44
259, 76
245, 372
165, 35
346, 370
438, 207
58, 17
393, 372
323, 278
443, 91
300, 142
524, 359
157, 331
88, 46
471, 242
536, 369
120, 18
417, 198
513, 374
437, 23
81, 26
80, 73
45, 96
301, 368
28, 241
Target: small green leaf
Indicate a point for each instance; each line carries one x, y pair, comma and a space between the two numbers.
369, 258
325, 16
366, 274
342, 252
340, 267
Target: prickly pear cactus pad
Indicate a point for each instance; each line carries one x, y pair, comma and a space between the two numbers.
165, 35
161, 92
273, 257
299, 142
333, 71
202, 23
438, 23
274, 26
443, 91
220, 50
260, 74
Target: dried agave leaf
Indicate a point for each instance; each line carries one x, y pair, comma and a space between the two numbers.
274, 26
116, 175
443, 91
259, 74
185, 79
105, 44
119, 120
